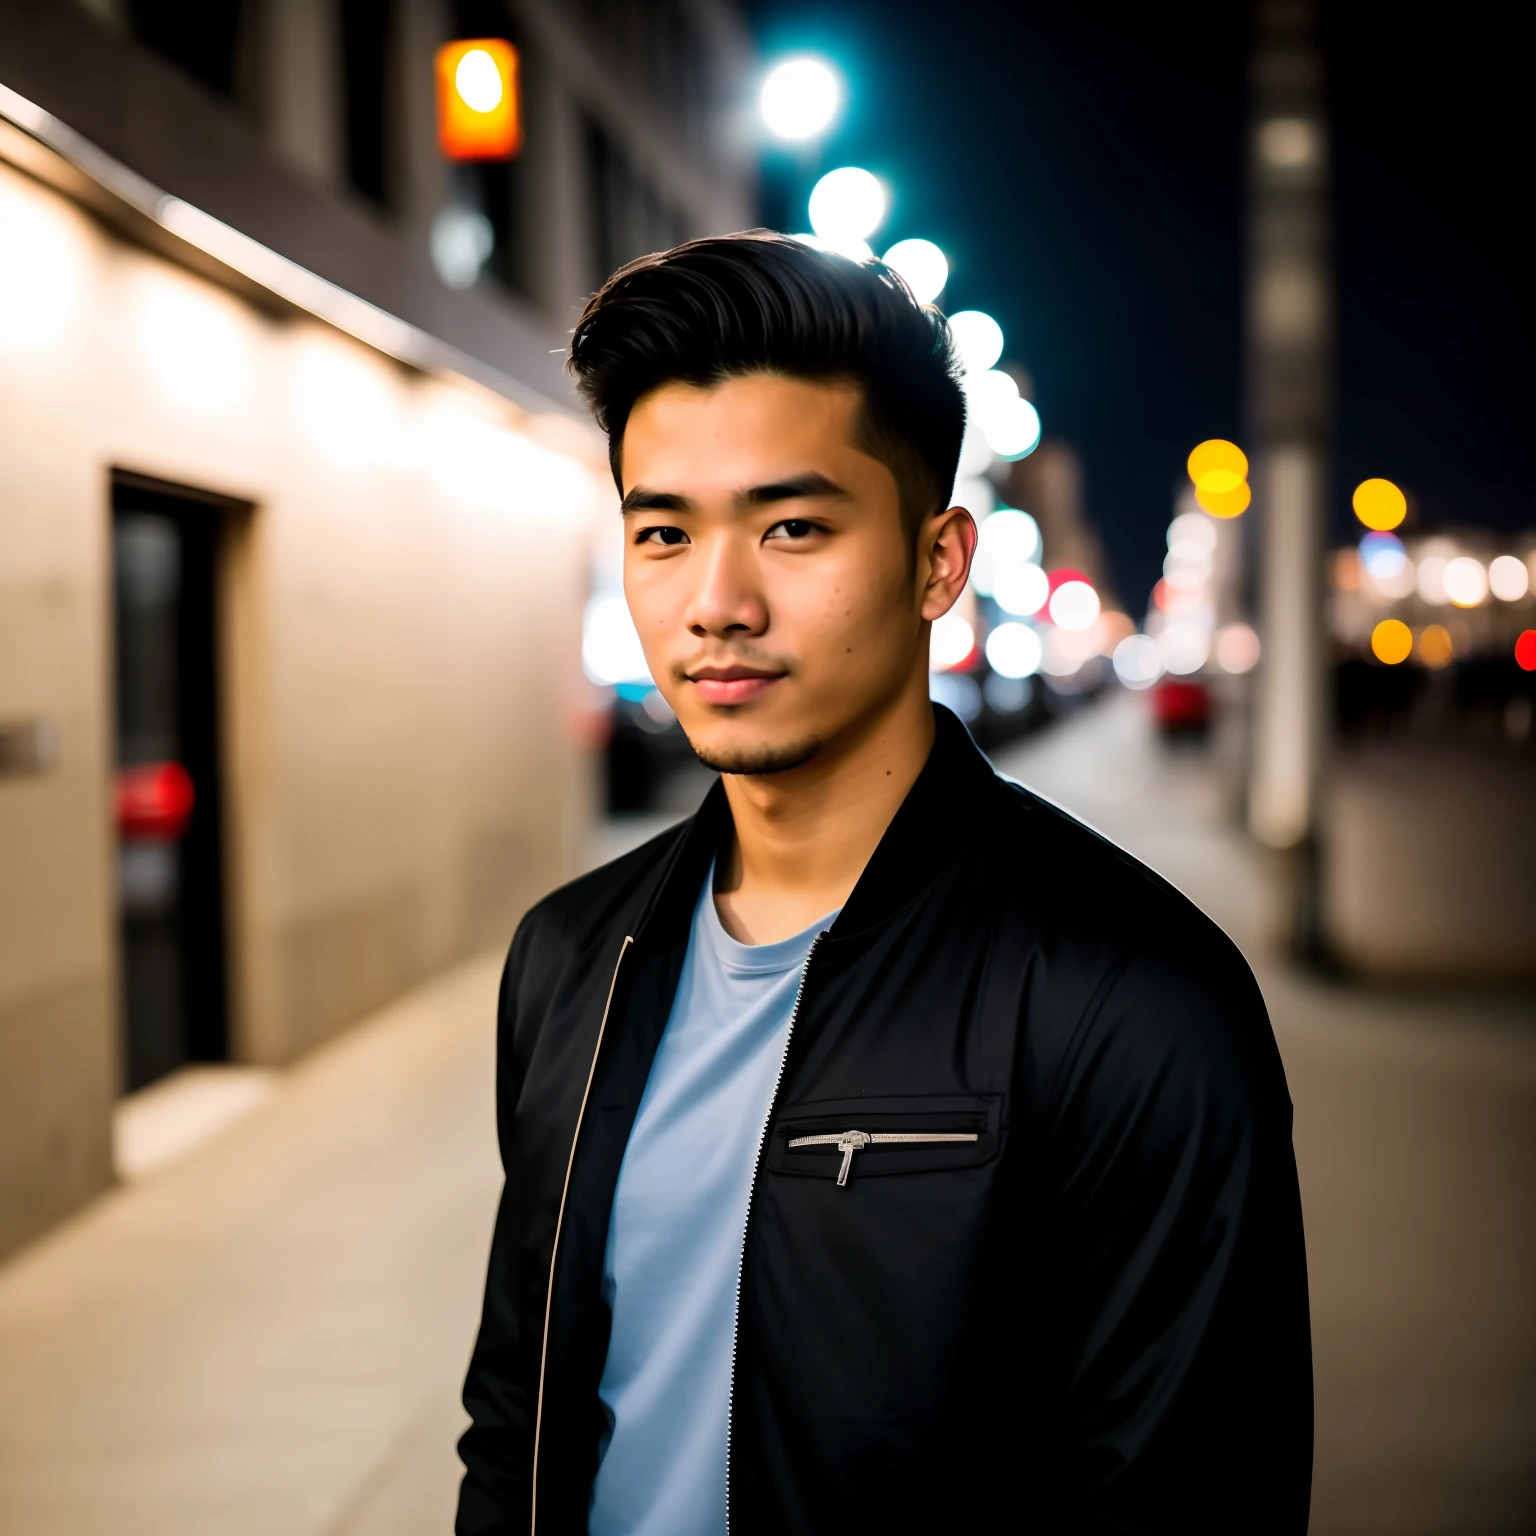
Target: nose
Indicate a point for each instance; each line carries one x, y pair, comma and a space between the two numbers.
728, 597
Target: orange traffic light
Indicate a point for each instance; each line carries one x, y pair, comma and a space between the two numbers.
479, 111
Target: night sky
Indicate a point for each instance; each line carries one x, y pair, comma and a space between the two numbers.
1081, 164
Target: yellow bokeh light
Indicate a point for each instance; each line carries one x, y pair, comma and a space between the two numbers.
1380, 505
1230, 503
1218, 466
1435, 646
1392, 641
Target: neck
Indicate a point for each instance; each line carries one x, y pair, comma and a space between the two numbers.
804, 836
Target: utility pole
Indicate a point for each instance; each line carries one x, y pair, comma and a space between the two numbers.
1290, 407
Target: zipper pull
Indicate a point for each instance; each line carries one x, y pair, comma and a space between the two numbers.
849, 1143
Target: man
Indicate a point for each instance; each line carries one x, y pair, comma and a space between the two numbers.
884, 1150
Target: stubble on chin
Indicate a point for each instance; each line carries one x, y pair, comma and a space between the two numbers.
757, 760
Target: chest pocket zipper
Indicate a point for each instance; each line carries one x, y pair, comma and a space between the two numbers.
849, 1142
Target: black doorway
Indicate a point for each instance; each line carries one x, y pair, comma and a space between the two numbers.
166, 554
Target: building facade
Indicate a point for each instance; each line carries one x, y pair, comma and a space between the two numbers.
294, 529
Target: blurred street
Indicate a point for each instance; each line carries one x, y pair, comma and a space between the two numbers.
269, 1335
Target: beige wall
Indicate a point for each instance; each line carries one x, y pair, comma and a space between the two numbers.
402, 617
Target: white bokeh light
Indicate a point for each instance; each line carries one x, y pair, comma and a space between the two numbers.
846, 207
1014, 650
478, 81
1193, 528
978, 339
1136, 661
951, 641
1183, 647
1014, 432
1006, 539
1021, 589
1466, 582
1237, 649
1074, 605
922, 267
800, 97
610, 647
1508, 578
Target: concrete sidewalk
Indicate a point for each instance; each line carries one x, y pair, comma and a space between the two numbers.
267, 1338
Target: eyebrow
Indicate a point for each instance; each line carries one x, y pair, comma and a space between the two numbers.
811, 484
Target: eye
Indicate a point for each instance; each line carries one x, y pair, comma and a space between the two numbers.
661, 535
792, 528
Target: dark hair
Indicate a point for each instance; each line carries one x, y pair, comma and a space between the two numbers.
757, 302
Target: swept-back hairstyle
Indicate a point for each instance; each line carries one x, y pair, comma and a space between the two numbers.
757, 302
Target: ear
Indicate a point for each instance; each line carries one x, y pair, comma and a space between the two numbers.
948, 539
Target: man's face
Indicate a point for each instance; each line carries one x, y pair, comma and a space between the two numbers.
767, 567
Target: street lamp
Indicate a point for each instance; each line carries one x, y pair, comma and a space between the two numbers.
799, 99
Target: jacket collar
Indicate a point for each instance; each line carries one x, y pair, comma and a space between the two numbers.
918, 844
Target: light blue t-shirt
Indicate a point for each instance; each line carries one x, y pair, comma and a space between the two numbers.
675, 1237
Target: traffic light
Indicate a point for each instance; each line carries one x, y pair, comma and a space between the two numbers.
479, 108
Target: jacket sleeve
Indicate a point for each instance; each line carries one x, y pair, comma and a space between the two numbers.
1179, 1270
497, 1448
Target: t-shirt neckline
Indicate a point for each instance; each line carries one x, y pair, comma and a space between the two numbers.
754, 959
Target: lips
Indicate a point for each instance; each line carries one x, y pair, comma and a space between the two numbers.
732, 685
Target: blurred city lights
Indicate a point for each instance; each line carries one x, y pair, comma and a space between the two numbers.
1231, 503
460, 243
846, 208
956, 691
1136, 661
610, 648
1014, 650
1391, 642
1382, 555
1007, 540
1430, 579
1287, 143
1074, 605
951, 641
978, 339
1021, 588
1007, 695
1237, 648
1435, 648
1014, 431
1525, 650
1186, 568
1217, 465
1192, 528
1379, 505
800, 97
1183, 646
976, 495
922, 267
1508, 578
1465, 581
195, 343
42, 270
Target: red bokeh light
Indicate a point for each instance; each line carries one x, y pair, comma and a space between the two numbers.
1525, 651
1061, 576
154, 801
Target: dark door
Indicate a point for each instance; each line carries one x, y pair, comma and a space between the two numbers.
166, 548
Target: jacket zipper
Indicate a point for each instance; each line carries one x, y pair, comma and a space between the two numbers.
757, 1163
849, 1142
554, 1252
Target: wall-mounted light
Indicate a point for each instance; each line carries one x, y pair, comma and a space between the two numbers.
479, 104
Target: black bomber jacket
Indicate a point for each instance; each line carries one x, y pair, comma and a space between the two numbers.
1084, 1309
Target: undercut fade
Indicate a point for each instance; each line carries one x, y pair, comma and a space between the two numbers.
758, 302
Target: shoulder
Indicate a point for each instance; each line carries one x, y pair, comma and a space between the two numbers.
1136, 991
